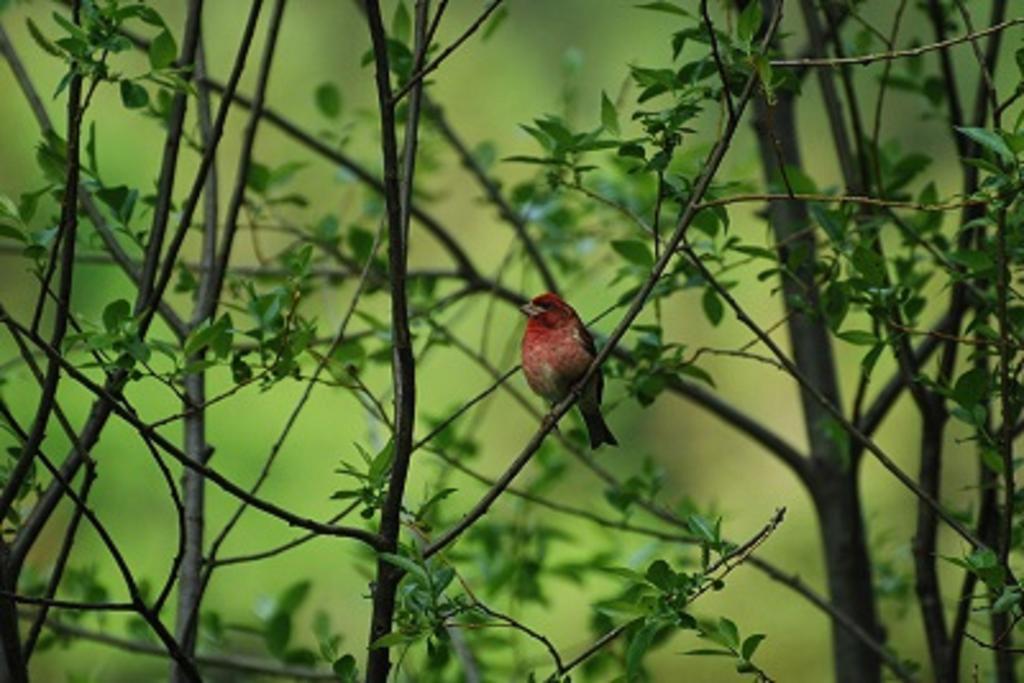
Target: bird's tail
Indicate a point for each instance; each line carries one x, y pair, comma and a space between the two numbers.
598, 430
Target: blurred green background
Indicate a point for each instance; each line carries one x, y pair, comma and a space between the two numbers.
546, 57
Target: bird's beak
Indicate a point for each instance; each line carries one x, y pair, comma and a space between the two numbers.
531, 309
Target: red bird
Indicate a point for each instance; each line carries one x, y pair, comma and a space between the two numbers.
557, 350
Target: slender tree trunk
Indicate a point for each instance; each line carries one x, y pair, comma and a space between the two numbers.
193, 484
193, 490
926, 576
837, 502
12, 664
834, 479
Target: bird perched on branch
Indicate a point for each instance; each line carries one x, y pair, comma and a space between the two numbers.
557, 350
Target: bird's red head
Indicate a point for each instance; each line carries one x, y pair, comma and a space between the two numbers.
548, 310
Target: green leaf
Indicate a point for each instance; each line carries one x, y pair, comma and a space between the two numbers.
392, 639
381, 463
706, 221
11, 232
405, 563
974, 260
162, 51
764, 74
835, 302
859, 337
661, 575
345, 669
750, 21
713, 307
702, 528
870, 264
666, 7
971, 387
328, 100
709, 652
993, 460
622, 609
495, 22
401, 23
838, 435
639, 644
115, 313
434, 500
870, 359
632, 149
990, 140
696, 372
349, 352
360, 241
146, 14
120, 199
258, 178
609, 117
8, 209
217, 336
42, 41
730, 634
277, 632
293, 597
750, 645
1007, 601
635, 252
133, 95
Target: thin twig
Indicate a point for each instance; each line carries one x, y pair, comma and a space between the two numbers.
894, 54
419, 75
235, 663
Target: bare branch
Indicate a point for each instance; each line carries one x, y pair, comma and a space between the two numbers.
234, 663
894, 54
417, 78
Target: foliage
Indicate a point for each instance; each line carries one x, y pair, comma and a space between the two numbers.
635, 199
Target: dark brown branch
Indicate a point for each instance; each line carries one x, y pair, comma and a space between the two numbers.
245, 160
194, 426
894, 54
723, 75
213, 283
169, 162
1005, 392
233, 663
397, 194
284, 547
833, 108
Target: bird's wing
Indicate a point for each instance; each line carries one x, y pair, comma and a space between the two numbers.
587, 340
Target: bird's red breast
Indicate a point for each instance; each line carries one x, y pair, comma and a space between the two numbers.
556, 349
